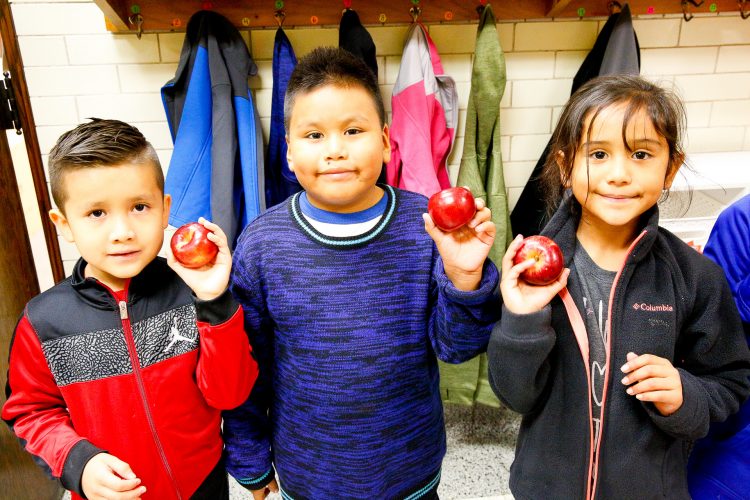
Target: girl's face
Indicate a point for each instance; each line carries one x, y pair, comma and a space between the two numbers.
615, 181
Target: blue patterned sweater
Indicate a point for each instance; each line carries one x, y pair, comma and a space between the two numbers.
347, 332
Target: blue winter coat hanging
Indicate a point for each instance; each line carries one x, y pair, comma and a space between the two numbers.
214, 170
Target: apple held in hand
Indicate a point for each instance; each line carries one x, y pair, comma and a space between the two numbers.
451, 208
191, 247
548, 256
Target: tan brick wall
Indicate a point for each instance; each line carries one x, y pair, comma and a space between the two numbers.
76, 69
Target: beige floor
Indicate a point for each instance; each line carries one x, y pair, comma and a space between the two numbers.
481, 441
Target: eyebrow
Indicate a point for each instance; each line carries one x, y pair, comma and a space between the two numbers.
133, 199
640, 140
354, 117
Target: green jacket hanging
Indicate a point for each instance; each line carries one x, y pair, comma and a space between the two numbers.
482, 171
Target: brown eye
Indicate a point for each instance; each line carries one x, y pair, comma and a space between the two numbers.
599, 155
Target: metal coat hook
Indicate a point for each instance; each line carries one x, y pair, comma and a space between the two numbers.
685, 14
137, 21
611, 6
415, 10
481, 6
279, 15
743, 13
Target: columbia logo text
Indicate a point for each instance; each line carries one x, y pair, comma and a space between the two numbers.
642, 306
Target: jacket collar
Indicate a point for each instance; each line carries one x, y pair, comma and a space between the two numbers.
564, 223
100, 296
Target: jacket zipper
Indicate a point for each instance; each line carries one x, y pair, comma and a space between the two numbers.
130, 342
608, 350
579, 330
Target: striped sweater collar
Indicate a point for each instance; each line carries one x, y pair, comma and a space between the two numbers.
345, 242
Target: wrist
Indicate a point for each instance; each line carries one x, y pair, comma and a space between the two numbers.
463, 280
206, 296
216, 310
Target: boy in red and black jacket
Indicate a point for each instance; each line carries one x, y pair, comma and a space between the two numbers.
118, 374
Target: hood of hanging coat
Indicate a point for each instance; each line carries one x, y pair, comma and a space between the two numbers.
356, 39
281, 182
213, 172
613, 54
425, 115
481, 161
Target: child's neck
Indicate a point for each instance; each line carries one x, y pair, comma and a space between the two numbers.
607, 247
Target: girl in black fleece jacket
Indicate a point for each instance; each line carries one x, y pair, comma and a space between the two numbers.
623, 361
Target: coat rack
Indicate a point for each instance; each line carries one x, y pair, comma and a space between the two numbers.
149, 16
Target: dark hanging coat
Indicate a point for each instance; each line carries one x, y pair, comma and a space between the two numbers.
281, 182
615, 51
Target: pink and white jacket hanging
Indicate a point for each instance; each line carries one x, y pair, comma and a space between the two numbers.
425, 115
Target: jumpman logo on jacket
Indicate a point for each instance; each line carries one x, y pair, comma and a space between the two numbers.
176, 337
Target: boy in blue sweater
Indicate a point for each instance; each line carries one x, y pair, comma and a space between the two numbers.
351, 294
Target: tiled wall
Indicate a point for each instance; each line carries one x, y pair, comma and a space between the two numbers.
76, 69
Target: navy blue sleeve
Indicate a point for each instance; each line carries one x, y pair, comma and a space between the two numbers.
461, 322
246, 431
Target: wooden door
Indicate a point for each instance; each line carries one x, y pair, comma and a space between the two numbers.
20, 477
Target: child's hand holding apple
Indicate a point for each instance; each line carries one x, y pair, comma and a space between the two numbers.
198, 252
532, 274
462, 230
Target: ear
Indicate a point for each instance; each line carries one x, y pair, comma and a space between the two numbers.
61, 223
165, 212
288, 153
560, 160
672, 170
386, 144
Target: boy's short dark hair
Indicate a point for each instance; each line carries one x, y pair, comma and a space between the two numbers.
331, 66
98, 143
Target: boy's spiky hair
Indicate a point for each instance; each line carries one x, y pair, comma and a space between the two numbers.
331, 66
98, 143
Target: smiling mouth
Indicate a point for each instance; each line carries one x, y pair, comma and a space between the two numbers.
124, 254
617, 197
337, 171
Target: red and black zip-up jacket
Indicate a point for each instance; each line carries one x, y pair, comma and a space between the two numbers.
142, 374
666, 300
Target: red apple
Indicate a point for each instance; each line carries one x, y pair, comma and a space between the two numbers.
548, 256
451, 208
191, 246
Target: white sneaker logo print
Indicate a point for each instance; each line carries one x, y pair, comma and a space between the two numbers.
176, 337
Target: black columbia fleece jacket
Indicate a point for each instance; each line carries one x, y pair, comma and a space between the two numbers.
667, 300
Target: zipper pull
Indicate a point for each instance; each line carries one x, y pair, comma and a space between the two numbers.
123, 309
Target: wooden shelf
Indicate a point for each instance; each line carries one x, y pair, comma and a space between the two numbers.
173, 15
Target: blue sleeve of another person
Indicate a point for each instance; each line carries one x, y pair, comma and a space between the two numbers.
729, 246
719, 464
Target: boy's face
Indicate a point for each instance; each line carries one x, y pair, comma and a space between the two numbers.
116, 216
337, 147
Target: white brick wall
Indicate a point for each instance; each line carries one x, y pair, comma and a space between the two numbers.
76, 69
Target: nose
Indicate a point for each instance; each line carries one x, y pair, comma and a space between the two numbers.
618, 172
121, 229
335, 148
